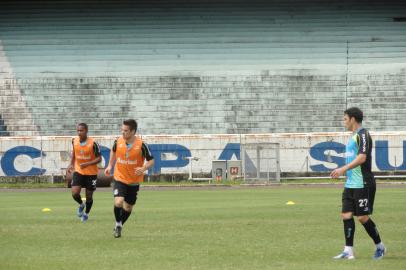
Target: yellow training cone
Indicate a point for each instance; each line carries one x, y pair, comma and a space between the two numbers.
46, 210
290, 203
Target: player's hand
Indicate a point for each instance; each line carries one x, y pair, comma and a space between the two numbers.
107, 171
140, 170
83, 165
70, 168
337, 173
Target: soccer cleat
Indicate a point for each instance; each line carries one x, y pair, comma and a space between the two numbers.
344, 255
84, 217
379, 253
80, 210
117, 232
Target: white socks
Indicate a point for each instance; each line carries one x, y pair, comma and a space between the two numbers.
380, 246
349, 250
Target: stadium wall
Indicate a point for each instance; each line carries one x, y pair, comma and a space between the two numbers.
201, 66
299, 153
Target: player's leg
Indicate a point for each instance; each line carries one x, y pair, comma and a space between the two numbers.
366, 200
76, 189
90, 188
118, 208
123, 207
129, 202
349, 225
126, 212
119, 192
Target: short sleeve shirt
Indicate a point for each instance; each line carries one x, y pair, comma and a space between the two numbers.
359, 143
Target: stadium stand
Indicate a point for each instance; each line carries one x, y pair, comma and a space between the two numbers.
183, 67
3, 128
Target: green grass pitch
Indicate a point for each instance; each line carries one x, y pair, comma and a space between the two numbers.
228, 228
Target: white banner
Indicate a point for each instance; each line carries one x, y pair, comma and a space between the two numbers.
299, 152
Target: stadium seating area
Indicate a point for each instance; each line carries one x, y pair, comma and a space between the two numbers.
3, 128
183, 67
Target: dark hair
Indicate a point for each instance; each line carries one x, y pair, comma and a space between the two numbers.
131, 123
356, 113
84, 125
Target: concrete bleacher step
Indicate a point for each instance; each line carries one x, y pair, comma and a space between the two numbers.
3, 128
204, 46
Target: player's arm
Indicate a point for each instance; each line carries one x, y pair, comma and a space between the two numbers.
107, 171
97, 153
146, 153
360, 159
71, 166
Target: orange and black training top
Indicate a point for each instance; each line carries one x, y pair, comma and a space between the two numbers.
84, 152
128, 158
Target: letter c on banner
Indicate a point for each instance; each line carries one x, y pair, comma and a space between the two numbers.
7, 161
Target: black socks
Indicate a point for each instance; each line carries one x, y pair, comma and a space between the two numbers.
117, 213
121, 215
372, 231
89, 204
349, 231
124, 216
77, 198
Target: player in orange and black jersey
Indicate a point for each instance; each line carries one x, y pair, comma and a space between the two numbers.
128, 154
85, 156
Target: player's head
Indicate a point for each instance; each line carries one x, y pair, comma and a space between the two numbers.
352, 118
81, 130
129, 128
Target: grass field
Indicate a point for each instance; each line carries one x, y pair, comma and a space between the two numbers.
225, 228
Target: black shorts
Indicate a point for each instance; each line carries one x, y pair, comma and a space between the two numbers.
129, 192
85, 181
359, 201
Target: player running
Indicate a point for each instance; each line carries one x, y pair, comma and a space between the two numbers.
129, 153
85, 156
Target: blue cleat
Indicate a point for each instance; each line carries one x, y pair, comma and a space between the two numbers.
80, 210
344, 255
379, 253
84, 217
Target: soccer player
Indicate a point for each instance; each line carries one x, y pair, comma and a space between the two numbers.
359, 189
129, 153
85, 156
